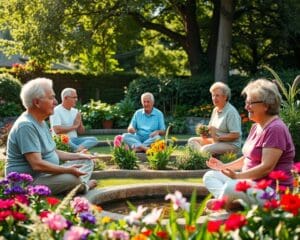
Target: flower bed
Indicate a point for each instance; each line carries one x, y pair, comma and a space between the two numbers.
29, 212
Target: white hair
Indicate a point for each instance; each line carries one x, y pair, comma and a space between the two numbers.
34, 89
147, 94
223, 87
67, 92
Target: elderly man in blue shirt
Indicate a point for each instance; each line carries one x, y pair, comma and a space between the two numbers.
147, 125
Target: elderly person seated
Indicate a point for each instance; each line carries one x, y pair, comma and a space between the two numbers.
146, 126
269, 147
31, 149
66, 119
224, 125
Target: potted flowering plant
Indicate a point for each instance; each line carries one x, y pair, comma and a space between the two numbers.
202, 130
122, 155
160, 152
62, 142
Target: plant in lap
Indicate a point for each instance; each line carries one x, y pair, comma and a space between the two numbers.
62, 142
122, 155
160, 152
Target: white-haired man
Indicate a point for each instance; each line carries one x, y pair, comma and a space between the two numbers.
31, 149
67, 120
147, 125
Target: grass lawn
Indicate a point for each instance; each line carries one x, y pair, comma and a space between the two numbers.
124, 181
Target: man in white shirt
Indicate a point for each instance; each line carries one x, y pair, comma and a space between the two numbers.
67, 120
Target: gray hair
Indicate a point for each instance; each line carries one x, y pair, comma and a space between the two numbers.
66, 92
34, 89
267, 92
223, 87
147, 94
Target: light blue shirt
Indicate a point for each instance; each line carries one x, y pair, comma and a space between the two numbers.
26, 136
145, 124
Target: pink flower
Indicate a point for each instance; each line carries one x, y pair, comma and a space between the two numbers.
118, 141
80, 204
242, 186
135, 215
152, 217
117, 234
296, 167
278, 175
6, 203
178, 201
55, 221
76, 233
263, 184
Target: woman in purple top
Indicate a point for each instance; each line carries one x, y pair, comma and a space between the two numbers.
269, 147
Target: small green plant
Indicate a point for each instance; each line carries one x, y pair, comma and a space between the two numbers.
124, 112
122, 155
228, 157
192, 159
160, 152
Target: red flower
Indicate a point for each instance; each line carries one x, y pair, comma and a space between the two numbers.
216, 204
52, 201
4, 214
271, 204
214, 226
235, 221
19, 216
147, 232
278, 175
64, 138
263, 184
290, 203
162, 234
242, 186
6, 203
44, 214
22, 199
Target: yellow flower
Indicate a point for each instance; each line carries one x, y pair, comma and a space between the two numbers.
105, 219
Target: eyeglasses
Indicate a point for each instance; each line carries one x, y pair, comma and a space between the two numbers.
252, 103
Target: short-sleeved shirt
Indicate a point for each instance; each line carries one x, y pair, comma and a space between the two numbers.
227, 121
64, 117
274, 135
145, 123
29, 136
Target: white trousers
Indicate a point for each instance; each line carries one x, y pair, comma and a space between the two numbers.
222, 186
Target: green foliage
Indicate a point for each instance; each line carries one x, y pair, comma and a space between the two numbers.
124, 111
94, 112
178, 124
62, 142
203, 110
191, 159
124, 157
290, 111
10, 88
228, 157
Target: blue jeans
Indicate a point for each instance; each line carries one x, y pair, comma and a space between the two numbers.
133, 140
86, 142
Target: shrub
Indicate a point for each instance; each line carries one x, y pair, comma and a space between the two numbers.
228, 157
62, 142
124, 112
191, 159
178, 124
10, 87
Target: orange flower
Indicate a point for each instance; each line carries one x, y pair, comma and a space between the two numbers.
139, 237
190, 228
64, 138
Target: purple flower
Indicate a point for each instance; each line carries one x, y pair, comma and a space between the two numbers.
40, 190
14, 177
87, 217
14, 190
26, 177
4, 182
77, 233
267, 195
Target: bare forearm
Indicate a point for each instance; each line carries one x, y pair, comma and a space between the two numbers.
235, 165
67, 155
226, 137
64, 129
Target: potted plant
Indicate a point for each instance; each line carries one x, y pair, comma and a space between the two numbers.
109, 114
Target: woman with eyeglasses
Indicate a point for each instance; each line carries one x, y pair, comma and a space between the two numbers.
269, 147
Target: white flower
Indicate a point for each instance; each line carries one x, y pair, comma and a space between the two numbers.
152, 217
178, 201
135, 215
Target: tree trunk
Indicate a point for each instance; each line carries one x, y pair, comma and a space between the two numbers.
224, 41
